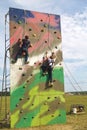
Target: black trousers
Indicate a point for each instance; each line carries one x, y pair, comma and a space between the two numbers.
26, 55
19, 53
50, 74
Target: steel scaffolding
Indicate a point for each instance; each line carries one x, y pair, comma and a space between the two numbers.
5, 92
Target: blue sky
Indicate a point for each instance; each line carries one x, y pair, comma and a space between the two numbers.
74, 34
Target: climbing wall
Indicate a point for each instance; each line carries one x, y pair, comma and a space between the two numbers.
33, 101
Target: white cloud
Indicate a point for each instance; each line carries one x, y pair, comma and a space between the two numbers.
74, 46
74, 36
49, 6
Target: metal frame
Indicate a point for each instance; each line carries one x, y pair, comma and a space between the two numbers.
6, 74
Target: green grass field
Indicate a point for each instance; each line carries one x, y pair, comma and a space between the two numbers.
74, 122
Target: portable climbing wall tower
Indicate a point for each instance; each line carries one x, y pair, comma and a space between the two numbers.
33, 101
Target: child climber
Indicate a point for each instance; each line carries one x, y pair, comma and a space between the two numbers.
47, 67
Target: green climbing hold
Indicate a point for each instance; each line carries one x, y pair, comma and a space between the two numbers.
25, 118
24, 86
19, 22
45, 25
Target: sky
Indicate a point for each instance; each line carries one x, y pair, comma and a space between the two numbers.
73, 15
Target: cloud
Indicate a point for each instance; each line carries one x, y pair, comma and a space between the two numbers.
74, 46
74, 36
50, 6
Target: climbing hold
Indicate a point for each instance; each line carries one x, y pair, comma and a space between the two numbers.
45, 41
21, 99
58, 37
56, 47
24, 86
48, 98
34, 35
27, 80
52, 115
42, 30
30, 29
14, 27
41, 20
55, 32
59, 63
25, 118
21, 111
40, 63
45, 25
23, 74
17, 105
19, 22
15, 16
28, 98
59, 102
59, 114
45, 103
20, 68
54, 80
48, 109
31, 75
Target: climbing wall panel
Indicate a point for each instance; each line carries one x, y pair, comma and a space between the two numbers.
34, 102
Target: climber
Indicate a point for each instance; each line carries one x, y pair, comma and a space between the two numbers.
25, 45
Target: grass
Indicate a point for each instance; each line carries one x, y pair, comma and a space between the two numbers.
78, 122
4, 103
74, 122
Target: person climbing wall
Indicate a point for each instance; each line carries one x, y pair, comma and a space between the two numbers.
19, 51
25, 45
50, 69
44, 64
